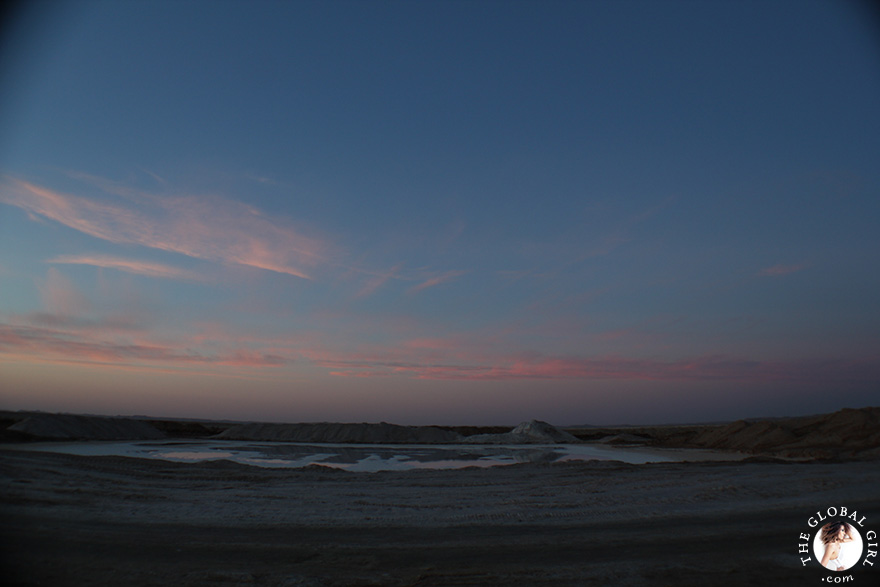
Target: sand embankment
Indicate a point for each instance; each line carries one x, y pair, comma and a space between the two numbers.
844, 434
849, 434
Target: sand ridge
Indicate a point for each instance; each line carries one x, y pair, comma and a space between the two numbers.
848, 434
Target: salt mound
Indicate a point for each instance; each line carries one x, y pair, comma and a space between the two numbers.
543, 432
534, 432
328, 432
70, 427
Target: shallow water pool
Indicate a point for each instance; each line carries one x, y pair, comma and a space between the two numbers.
378, 457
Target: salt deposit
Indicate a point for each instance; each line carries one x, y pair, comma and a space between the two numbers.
533, 432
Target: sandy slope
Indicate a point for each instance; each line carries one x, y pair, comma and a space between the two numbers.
71, 520
847, 434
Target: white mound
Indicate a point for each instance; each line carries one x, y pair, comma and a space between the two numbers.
69, 427
543, 432
328, 432
534, 432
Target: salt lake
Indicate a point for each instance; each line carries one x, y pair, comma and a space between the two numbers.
370, 458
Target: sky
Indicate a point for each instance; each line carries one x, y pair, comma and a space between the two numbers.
440, 212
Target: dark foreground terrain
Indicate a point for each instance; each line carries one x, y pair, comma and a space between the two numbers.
72, 520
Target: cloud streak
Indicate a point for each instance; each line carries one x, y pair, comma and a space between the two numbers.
376, 281
53, 345
420, 362
127, 265
202, 227
435, 280
52, 339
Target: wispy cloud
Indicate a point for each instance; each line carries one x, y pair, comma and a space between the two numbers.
51, 345
146, 268
376, 281
777, 270
435, 280
121, 323
202, 227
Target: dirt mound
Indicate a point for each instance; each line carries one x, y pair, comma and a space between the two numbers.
624, 439
747, 436
70, 427
533, 432
363, 433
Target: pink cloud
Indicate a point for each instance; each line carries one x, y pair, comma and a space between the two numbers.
248, 358
201, 227
128, 265
431, 343
438, 361
777, 270
358, 374
87, 346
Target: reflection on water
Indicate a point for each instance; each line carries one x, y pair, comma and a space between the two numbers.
194, 455
367, 457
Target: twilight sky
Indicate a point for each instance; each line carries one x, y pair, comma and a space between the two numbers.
440, 212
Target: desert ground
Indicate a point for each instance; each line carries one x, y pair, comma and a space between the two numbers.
78, 520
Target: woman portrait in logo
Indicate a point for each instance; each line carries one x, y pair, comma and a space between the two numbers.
834, 535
